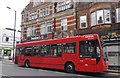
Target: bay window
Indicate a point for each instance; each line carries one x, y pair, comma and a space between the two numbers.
107, 16
93, 18
100, 17
83, 22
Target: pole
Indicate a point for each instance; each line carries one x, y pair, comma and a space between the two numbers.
14, 32
14, 35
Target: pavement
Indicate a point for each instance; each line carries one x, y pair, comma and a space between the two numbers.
11, 62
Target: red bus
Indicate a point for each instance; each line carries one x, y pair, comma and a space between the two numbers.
79, 53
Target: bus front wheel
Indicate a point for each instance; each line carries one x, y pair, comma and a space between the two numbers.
27, 64
70, 68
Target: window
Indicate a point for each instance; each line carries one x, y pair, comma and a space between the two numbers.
89, 49
36, 50
31, 31
69, 47
43, 29
47, 11
83, 22
44, 12
100, 17
37, 2
107, 16
33, 16
45, 50
49, 26
63, 24
18, 51
93, 18
118, 14
63, 5
28, 31
28, 51
56, 50
41, 12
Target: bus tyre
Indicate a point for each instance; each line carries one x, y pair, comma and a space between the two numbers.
70, 68
27, 64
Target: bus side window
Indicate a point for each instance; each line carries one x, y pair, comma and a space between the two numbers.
56, 50
69, 47
28, 51
45, 50
36, 50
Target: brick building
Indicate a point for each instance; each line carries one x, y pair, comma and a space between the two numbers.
103, 19
48, 20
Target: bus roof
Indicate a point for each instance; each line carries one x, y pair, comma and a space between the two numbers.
59, 40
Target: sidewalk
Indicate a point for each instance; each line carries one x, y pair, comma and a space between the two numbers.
113, 71
8, 61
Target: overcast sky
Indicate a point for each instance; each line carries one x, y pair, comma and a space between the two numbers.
7, 16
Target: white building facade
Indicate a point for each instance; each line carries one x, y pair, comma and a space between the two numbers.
6, 42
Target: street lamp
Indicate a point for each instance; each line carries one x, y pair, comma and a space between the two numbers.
14, 31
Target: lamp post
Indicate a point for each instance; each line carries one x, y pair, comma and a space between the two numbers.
14, 31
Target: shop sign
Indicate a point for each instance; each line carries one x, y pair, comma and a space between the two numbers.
37, 37
111, 37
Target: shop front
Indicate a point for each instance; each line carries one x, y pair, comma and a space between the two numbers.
112, 47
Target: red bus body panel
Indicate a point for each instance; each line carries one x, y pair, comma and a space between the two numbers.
81, 64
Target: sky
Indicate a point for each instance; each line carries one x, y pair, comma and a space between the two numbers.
7, 16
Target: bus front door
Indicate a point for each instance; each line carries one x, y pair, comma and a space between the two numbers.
89, 54
22, 57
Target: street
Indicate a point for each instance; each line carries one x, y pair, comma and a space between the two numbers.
10, 70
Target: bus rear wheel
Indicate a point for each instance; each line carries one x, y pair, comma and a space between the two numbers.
27, 64
70, 68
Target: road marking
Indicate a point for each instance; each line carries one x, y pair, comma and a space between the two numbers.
60, 72
80, 75
114, 73
43, 70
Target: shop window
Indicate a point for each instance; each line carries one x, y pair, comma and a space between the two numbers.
118, 14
